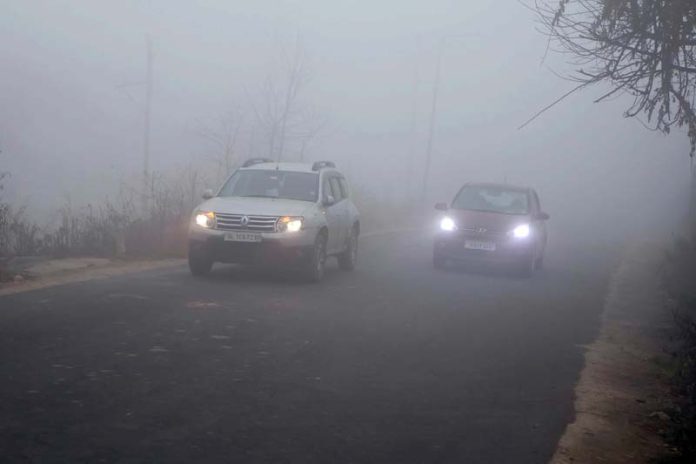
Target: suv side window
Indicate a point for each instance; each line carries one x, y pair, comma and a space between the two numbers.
536, 207
336, 189
344, 187
326, 189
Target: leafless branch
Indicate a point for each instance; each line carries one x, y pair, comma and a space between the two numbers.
644, 48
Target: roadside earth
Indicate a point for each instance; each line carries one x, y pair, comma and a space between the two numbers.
624, 388
24, 274
28, 273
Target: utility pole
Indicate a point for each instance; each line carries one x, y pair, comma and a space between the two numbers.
433, 110
431, 123
412, 191
146, 134
296, 69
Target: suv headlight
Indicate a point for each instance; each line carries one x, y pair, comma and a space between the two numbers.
521, 231
205, 219
289, 224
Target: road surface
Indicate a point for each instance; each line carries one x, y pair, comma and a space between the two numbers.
395, 362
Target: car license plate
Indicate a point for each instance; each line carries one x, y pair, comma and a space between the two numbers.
477, 245
242, 237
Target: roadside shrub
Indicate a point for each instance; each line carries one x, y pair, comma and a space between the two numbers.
163, 228
90, 231
18, 235
155, 224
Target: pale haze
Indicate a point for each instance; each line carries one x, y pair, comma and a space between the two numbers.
71, 94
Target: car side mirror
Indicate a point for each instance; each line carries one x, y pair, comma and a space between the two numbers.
329, 200
441, 206
207, 194
542, 216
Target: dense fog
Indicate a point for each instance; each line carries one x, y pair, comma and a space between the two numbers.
72, 93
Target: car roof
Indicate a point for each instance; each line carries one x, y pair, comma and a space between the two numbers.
283, 166
497, 185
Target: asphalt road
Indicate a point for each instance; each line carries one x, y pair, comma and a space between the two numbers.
395, 362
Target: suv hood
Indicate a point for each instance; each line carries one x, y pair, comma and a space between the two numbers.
492, 222
256, 206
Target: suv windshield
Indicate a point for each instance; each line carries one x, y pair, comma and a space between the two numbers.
492, 199
272, 184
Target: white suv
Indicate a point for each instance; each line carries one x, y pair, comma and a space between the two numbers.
277, 214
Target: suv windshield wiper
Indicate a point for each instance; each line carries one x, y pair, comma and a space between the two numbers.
258, 196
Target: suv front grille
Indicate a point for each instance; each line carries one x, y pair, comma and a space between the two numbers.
256, 223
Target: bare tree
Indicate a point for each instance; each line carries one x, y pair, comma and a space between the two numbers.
224, 136
282, 116
643, 48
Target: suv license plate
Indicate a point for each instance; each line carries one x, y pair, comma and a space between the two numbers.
242, 237
477, 245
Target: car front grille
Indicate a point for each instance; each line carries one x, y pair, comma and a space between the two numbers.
481, 232
253, 223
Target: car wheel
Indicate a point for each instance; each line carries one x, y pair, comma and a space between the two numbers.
439, 261
348, 259
526, 267
199, 263
539, 263
317, 262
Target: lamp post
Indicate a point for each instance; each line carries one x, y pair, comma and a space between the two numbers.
433, 110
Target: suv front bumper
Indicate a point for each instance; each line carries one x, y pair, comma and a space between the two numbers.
286, 249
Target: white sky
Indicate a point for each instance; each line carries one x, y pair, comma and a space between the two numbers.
68, 128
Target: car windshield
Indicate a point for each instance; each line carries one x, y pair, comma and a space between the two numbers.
492, 199
259, 183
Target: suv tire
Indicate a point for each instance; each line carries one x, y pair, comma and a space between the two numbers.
347, 259
199, 263
317, 261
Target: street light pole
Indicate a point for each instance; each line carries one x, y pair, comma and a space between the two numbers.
433, 109
146, 128
431, 123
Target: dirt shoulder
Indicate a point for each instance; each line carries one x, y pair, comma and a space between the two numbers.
623, 389
34, 275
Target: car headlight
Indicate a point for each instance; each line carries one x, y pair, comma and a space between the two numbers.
289, 224
205, 219
521, 231
448, 224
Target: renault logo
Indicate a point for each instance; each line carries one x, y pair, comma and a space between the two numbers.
244, 221
481, 230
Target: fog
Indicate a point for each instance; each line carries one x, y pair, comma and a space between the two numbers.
72, 103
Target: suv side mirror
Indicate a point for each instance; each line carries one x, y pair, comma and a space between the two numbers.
207, 194
329, 200
441, 206
542, 216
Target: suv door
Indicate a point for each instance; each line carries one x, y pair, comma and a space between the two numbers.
334, 215
351, 210
338, 190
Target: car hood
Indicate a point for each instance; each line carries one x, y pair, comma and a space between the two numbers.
256, 206
492, 222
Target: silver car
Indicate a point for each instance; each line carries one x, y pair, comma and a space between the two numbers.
279, 215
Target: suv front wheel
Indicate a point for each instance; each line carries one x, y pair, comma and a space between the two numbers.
199, 263
317, 261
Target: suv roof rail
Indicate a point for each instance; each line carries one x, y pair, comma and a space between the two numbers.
253, 161
322, 164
